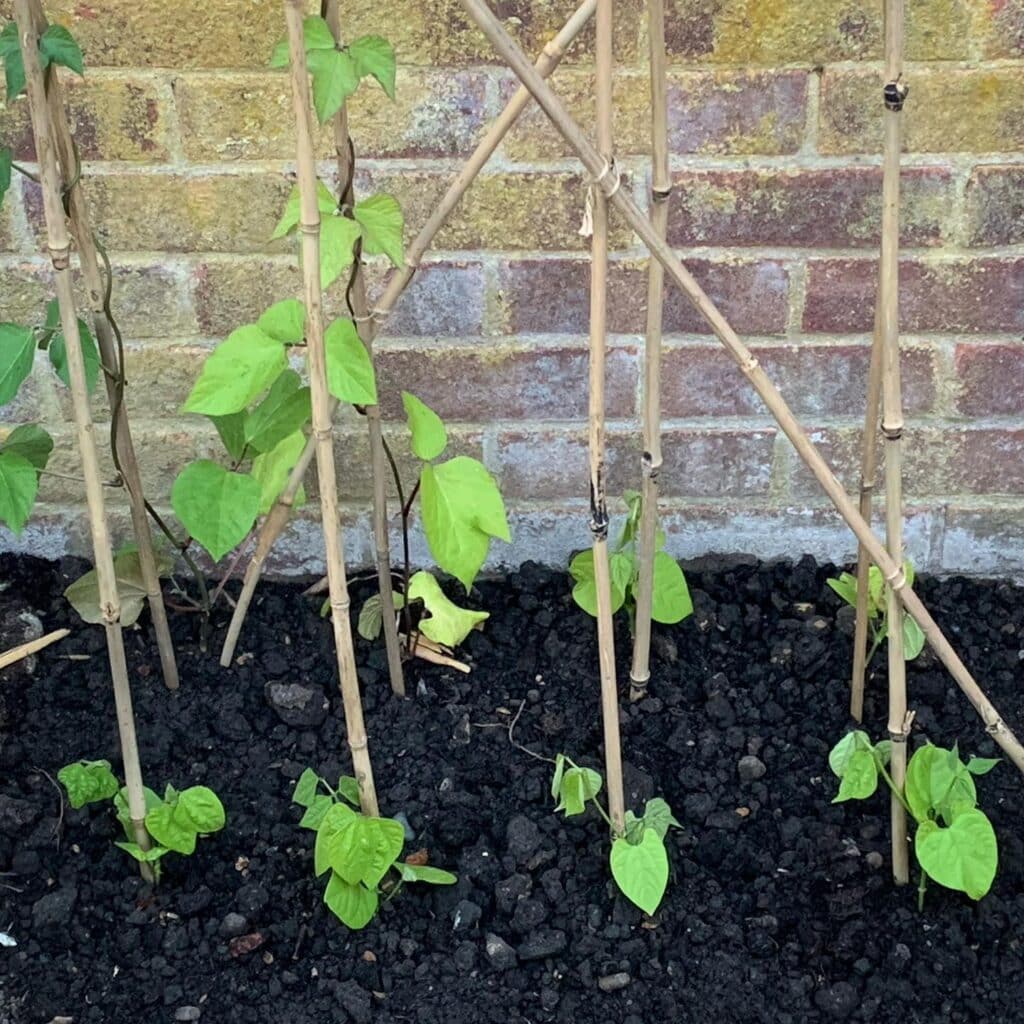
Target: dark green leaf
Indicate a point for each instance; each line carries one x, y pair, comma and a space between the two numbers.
19, 483
231, 429
284, 410
30, 442
658, 816
88, 782
6, 162
58, 46
10, 53
84, 593
349, 789
90, 355
272, 469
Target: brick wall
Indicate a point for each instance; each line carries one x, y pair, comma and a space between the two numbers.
775, 140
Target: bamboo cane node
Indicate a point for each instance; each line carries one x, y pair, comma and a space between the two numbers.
60, 256
321, 433
608, 179
310, 229
901, 734
893, 432
661, 195
895, 94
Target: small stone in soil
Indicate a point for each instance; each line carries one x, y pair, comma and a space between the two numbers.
751, 768
523, 838
297, 704
233, 924
465, 915
546, 942
356, 1001
500, 954
613, 982
188, 1013
54, 909
838, 1001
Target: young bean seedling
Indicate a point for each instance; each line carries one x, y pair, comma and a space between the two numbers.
638, 858
955, 843
174, 822
358, 851
671, 597
846, 587
461, 509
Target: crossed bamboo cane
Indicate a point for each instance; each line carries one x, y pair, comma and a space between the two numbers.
606, 178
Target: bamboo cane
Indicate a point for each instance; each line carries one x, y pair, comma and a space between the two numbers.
344, 153
22, 651
277, 519
868, 472
892, 422
309, 227
650, 462
892, 571
59, 245
598, 501
88, 258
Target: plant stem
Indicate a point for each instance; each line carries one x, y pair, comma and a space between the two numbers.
275, 522
309, 227
922, 887
359, 307
59, 245
635, 218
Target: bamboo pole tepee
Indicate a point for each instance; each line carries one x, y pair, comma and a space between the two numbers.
892, 571
275, 522
650, 462
59, 246
309, 228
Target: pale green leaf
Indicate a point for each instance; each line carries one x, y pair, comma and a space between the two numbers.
17, 349
334, 79
671, 600
429, 437
338, 236
305, 788
425, 873
348, 789
913, 639
381, 219
578, 785
859, 778
272, 469
218, 508
316, 36
641, 870
285, 321
200, 808
88, 782
448, 624
846, 588
461, 508
658, 816
90, 355
353, 905
284, 411
556, 778
241, 367
144, 856
371, 618
19, 483
350, 376
6, 164
375, 56
839, 756
963, 856
584, 593
982, 765
292, 213
31, 442
10, 54
316, 812
167, 830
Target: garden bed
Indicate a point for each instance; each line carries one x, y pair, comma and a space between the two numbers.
780, 906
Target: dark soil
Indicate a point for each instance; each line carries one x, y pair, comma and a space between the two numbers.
780, 907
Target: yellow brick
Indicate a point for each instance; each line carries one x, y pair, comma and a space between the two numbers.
947, 111
744, 32
501, 211
179, 213
249, 116
112, 118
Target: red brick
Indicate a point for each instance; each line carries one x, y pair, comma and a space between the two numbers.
834, 208
995, 205
697, 463
991, 461
503, 382
709, 112
815, 380
989, 377
552, 296
442, 299
969, 296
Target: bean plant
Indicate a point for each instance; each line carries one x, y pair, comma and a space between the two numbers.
26, 450
638, 858
174, 821
846, 587
671, 597
358, 851
955, 843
